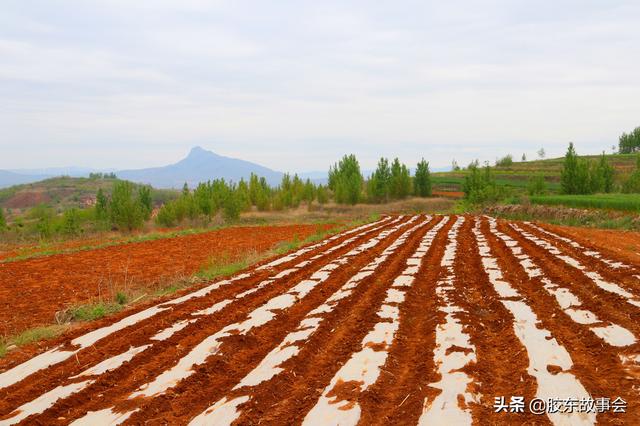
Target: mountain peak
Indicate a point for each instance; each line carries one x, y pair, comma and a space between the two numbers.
198, 151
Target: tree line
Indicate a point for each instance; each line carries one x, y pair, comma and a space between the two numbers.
129, 206
346, 185
629, 142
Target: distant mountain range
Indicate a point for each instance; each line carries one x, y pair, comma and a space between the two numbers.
199, 166
9, 178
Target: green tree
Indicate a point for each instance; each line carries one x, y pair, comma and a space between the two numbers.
3, 220
605, 171
145, 200
632, 184
322, 195
308, 192
185, 189
263, 199
480, 187
71, 222
569, 174
505, 161
254, 189
43, 217
102, 206
231, 204
379, 184
400, 180
629, 143
422, 180
537, 185
242, 192
125, 210
541, 153
167, 215
347, 180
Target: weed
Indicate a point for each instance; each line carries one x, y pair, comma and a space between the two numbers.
94, 311
121, 298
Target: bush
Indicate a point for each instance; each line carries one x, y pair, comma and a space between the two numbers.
505, 161
71, 222
3, 221
480, 187
167, 215
537, 185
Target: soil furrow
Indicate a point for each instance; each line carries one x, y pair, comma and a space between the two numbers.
611, 270
597, 366
606, 305
287, 397
397, 396
225, 410
501, 363
147, 328
549, 362
148, 367
364, 367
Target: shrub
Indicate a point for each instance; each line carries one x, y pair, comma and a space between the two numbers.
3, 220
537, 185
480, 187
505, 161
71, 222
121, 298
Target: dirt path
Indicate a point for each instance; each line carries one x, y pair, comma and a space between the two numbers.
409, 320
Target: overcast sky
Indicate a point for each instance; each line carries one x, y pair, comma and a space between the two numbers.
293, 85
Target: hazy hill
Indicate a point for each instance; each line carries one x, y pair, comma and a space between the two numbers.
8, 178
65, 192
199, 166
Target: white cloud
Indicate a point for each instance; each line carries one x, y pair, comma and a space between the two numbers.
294, 85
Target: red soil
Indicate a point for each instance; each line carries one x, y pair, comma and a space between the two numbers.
406, 380
623, 244
448, 194
33, 290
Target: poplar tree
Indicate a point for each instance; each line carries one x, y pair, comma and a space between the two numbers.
422, 180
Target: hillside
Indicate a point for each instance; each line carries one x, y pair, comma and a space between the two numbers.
62, 193
199, 166
518, 174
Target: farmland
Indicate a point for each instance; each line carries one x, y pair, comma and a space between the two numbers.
415, 319
624, 202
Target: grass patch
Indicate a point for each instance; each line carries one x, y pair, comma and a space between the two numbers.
622, 202
29, 336
94, 311
222, 267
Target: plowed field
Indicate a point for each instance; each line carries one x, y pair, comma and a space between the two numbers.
408, 320
33, 290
